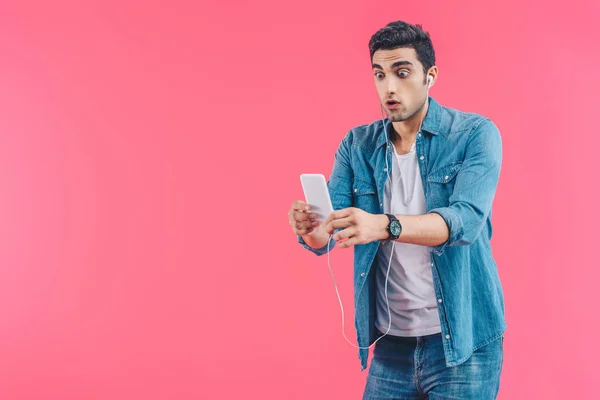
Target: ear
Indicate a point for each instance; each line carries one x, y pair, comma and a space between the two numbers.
432, 75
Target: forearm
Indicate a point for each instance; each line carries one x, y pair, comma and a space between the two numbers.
425, 229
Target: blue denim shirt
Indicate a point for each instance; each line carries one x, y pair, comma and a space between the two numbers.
460, 156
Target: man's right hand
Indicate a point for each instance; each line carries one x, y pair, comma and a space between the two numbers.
301, 219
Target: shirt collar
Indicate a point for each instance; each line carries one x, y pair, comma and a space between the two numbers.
431, 123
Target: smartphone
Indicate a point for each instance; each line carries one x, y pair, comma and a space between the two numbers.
317, 195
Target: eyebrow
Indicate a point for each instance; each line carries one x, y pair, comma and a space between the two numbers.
394, 65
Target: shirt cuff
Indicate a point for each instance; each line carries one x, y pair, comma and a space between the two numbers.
320, 251
323, 249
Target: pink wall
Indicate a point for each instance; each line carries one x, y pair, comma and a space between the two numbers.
149, 153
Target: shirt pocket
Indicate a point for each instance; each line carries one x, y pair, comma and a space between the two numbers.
364, 195
441, 184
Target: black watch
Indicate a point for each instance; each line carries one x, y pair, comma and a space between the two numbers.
394, 228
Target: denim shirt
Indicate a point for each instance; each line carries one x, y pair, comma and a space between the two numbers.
460, 156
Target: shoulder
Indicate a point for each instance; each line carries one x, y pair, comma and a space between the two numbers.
365, 136
455, 122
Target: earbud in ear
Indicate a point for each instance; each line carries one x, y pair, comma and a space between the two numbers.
429, 82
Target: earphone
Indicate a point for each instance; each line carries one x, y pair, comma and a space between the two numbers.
389, 144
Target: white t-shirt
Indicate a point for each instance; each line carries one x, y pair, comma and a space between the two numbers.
411, 293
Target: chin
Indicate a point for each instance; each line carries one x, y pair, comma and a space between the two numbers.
402, 115
398, 117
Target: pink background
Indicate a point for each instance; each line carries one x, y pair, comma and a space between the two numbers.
149, 152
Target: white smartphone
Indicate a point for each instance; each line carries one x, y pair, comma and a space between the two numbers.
317, 195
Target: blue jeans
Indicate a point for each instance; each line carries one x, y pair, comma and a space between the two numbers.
409, 368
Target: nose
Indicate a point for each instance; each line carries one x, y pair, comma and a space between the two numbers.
390, 86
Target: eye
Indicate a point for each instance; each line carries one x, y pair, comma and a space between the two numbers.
403, 73
378, 75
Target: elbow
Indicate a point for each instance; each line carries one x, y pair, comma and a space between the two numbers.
464, 240
462, 231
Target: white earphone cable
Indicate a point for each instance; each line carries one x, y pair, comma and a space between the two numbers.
391, 252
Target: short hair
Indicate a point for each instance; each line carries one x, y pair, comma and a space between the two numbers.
399, 34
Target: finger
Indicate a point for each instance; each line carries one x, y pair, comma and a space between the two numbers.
298, 205
301, 225
330, 218
349, 243
338, 223
345, 233
302, 218
301, 206
343, 213
305, 225
299, 216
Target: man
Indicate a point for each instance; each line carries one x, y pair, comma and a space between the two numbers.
413, 195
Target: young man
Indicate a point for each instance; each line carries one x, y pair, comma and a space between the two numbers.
413, 195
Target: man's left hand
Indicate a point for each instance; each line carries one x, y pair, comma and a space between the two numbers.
360, 226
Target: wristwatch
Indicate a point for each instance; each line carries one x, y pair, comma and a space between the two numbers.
394, 228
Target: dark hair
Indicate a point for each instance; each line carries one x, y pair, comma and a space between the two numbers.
401, 34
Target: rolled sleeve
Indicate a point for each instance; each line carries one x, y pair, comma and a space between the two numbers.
455, 226
471, 201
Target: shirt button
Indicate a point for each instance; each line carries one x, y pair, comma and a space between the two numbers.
446, 177
355, 190
381, 204
362, 274
419, 135
439, 300
447, 336
422, 158
385, 169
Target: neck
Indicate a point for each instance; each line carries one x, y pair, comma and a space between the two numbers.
404, 132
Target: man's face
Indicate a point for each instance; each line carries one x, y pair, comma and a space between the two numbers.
399, 76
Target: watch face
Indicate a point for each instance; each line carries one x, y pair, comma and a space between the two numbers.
395, 228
